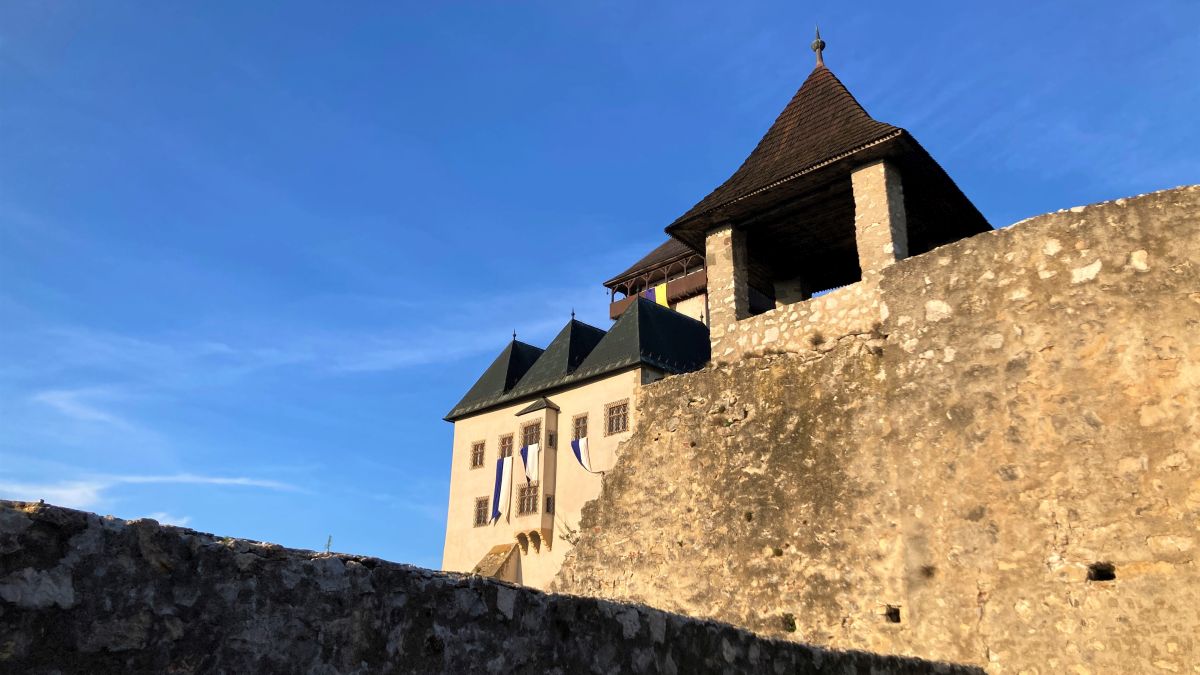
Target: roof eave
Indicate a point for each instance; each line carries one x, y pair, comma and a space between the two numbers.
626, 276
568, 381
683, 226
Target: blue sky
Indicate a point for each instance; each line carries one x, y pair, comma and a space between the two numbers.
251, 254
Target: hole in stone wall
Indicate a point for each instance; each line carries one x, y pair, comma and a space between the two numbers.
789, 622
434, 645
1102, 571
749, 516
928, 571
892, 613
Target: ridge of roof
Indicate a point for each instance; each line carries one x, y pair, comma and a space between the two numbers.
822, 122
502, 375
562, 356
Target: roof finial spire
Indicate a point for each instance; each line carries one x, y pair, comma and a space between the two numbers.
514, 335
818, 46
572, 313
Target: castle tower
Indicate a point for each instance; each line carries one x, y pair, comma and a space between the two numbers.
828, 198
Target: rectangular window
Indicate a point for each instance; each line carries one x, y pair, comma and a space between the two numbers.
506, 446
580, 427
477, 454
616, 417
527, 502
549, 503
481, 511
531, 433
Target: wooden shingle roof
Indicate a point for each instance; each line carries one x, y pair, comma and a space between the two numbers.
821, 123
669, 251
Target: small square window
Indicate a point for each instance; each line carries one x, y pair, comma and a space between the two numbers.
477, 450
616, 418
506, 445
531, 433
549, 503
580, 430
481, 511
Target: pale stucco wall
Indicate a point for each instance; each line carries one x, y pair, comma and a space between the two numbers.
563, 477
695, 307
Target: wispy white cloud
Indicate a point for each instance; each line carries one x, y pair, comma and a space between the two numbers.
93, 491
79, 404
193, 479
238, 349
432, 510
168, 519
71, 493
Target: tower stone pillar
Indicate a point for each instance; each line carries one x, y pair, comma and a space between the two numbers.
880, 226
728, 291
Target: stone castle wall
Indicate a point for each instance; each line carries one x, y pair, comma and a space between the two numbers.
90, 595
806, 327
960, 482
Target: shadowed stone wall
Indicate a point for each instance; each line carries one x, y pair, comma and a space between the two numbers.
1006, 472
85, 594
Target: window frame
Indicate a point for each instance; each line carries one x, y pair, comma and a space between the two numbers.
583, 417
484, 502
505, 452
526, 499
608, 430
529, 425
481, 446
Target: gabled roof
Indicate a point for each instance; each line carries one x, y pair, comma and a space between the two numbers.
822, 122
540, 404
646, 333
562, 356
669, 251
500, 377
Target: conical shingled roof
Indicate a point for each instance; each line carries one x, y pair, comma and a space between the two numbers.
562, 356
822, 122
500, 377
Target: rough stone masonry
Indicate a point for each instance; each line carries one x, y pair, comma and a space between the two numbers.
1004, 470
85, 594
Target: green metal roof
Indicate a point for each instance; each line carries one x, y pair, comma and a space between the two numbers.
646, 334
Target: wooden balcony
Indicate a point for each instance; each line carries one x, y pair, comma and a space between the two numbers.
677, 289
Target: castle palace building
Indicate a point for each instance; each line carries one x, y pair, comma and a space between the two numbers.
788, 249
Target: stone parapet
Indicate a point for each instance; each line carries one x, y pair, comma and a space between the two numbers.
808, 327
90, 595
